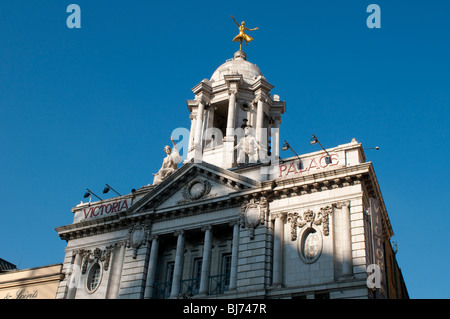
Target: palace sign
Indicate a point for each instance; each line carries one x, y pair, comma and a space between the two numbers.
308, 165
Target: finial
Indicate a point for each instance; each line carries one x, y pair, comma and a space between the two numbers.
242, 35
240, 55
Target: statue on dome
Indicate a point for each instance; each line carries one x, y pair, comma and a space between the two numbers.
170, 163
242, 35
247, 145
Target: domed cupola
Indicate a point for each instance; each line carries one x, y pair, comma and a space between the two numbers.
238, 65
234, 103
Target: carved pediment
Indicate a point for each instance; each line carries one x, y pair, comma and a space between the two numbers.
193, 182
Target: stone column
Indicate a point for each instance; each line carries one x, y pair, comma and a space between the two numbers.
152, 267
206, 261
277, 276
347, 265
234, 255
116, 270
74, 278
178, 267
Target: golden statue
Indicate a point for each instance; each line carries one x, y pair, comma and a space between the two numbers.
242, 36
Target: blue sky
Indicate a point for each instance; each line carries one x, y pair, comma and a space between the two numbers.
83, 107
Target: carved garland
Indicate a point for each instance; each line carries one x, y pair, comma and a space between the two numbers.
97, 255
308, 217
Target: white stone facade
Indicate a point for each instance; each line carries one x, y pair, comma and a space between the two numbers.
293, 228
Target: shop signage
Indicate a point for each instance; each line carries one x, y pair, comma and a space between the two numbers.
22, 294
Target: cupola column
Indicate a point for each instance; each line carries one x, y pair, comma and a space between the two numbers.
231, 109
259, 118
276, 140
198, 132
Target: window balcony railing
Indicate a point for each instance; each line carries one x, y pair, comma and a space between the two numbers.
218, 284
161, 290
190, 287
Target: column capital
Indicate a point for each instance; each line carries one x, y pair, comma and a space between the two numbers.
232, 91
257, 99
235, 222
260, 97
205, 102
206, 227
178, 232
342, 204
281, 215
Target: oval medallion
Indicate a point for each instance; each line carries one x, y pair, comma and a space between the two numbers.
310, 245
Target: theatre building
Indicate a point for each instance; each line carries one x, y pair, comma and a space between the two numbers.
234, 220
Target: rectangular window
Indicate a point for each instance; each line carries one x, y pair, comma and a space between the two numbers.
226, 268
169, 271
197, 270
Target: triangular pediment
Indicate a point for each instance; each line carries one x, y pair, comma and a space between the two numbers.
192, 183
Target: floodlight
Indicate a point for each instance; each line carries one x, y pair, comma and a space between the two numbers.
107, 188
89, 193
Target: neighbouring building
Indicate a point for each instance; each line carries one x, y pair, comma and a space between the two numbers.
32, 283
234, 220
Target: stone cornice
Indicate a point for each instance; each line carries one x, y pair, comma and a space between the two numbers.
262, 84
204, 87
327, 178
272, 190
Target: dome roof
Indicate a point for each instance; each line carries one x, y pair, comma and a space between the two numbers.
238, 65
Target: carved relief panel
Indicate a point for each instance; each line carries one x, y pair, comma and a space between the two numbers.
310, 240
138, 236
253, 214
